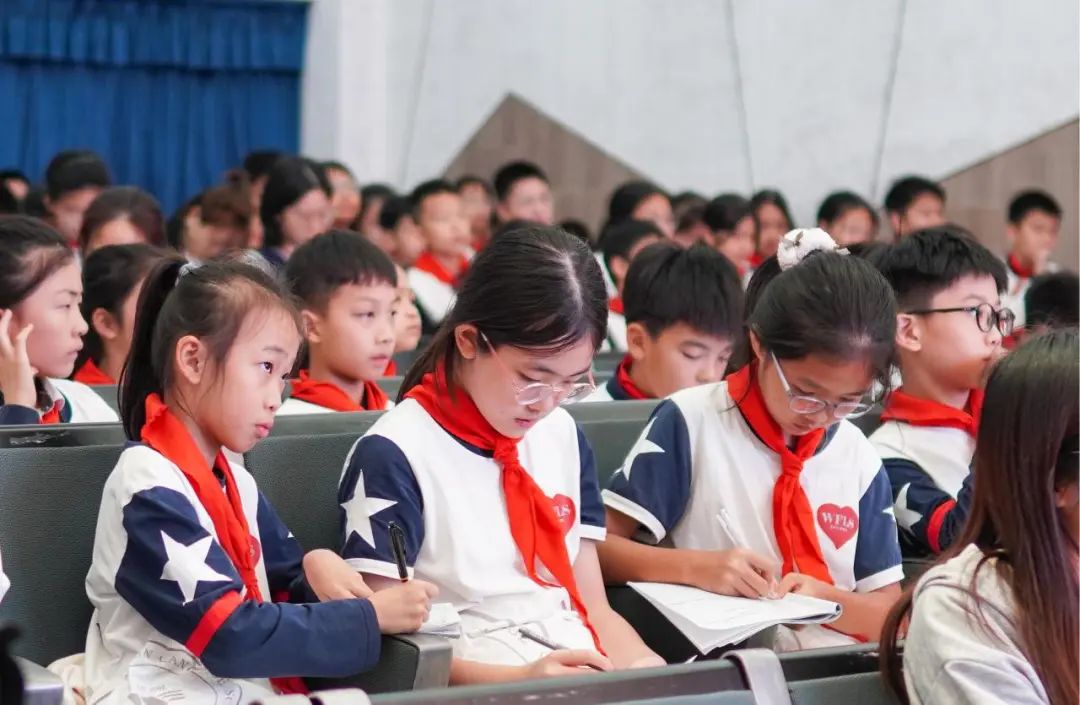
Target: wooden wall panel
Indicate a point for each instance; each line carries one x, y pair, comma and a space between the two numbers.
582, 175
978, 196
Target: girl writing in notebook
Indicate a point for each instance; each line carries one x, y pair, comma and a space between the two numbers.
996, 620
493, 484
41, 328
758, 483
193, 576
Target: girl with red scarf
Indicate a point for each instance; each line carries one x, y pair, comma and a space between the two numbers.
195, 580
757, 482
492, 484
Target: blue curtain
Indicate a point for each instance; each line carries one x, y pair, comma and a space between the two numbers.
170, 92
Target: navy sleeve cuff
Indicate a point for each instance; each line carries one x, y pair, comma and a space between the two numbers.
16, 415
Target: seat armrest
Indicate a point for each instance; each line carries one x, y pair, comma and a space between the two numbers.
40, 685
406, 662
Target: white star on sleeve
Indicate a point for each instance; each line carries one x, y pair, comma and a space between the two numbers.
360, 509
906, 517
643, 447
186, 565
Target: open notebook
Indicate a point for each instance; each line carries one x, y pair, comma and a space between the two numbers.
710, 621
443, 620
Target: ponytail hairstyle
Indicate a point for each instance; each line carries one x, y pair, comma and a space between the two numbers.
1026, 451
30, 252
811, 299
537, 288
210, 302
109, 275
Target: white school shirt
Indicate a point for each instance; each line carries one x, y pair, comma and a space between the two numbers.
616, 331
952, 659
929, 469
447, 497
1016, 289
162, 586
85, 405
4, 582
298, 407
697, 456
434, 297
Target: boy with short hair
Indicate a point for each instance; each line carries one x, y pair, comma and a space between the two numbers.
73, 179
1034, 225
347, 289
436, 273
402, 236
683, 312
914, 203
523, 192
620, 244
950, 328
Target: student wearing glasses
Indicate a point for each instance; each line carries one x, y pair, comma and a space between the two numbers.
493, 484
949, 334
757, 485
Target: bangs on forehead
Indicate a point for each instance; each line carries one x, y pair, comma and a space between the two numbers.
258, 305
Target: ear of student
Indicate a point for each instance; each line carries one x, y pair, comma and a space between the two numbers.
467, 340
191, 359
637, 341
312, 328
908, 332
105, 324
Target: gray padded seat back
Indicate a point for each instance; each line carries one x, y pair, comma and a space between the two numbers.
863, 688
110, 393
49, 500
612, 428
299, 476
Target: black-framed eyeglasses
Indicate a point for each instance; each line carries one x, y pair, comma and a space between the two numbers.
986, 316
805, 405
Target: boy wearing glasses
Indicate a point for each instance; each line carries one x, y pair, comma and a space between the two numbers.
950, 327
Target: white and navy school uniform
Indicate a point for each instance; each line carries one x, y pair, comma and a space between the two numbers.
447, 496
166, 624
434, 296
929, 469
299, 407
610, 390
697, 456
76, 402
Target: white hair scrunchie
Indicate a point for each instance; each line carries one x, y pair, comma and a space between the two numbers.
796, 245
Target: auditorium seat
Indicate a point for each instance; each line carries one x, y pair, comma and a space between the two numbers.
390, 385
49, 500
109, 393
612, 429
607, 361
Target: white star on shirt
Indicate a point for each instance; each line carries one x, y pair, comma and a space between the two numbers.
187, 565
360, 509
643, 447
905, 516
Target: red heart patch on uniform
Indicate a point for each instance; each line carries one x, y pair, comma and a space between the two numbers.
838, 523
565, 512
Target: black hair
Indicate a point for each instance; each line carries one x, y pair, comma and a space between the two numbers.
8, 202
690, 217
929, 261
32, 251
290, 179
725, 212
472, 180
512, 225
174, 226
109, 275
774, 197
686, 199
393, 210
577, 229
829, 304
1053, 300
329, 261
667, 284
371, 195
258, 163
211, 302
906, 189
34, 203
124, 202
16, 174
427, 189
1028, 201
536, 288
839, 203
507, 176
627, 197
75, 169
618, 240
872, 252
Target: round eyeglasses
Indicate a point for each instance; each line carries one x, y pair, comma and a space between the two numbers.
540, 392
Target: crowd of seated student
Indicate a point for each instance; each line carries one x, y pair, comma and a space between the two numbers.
732, 486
